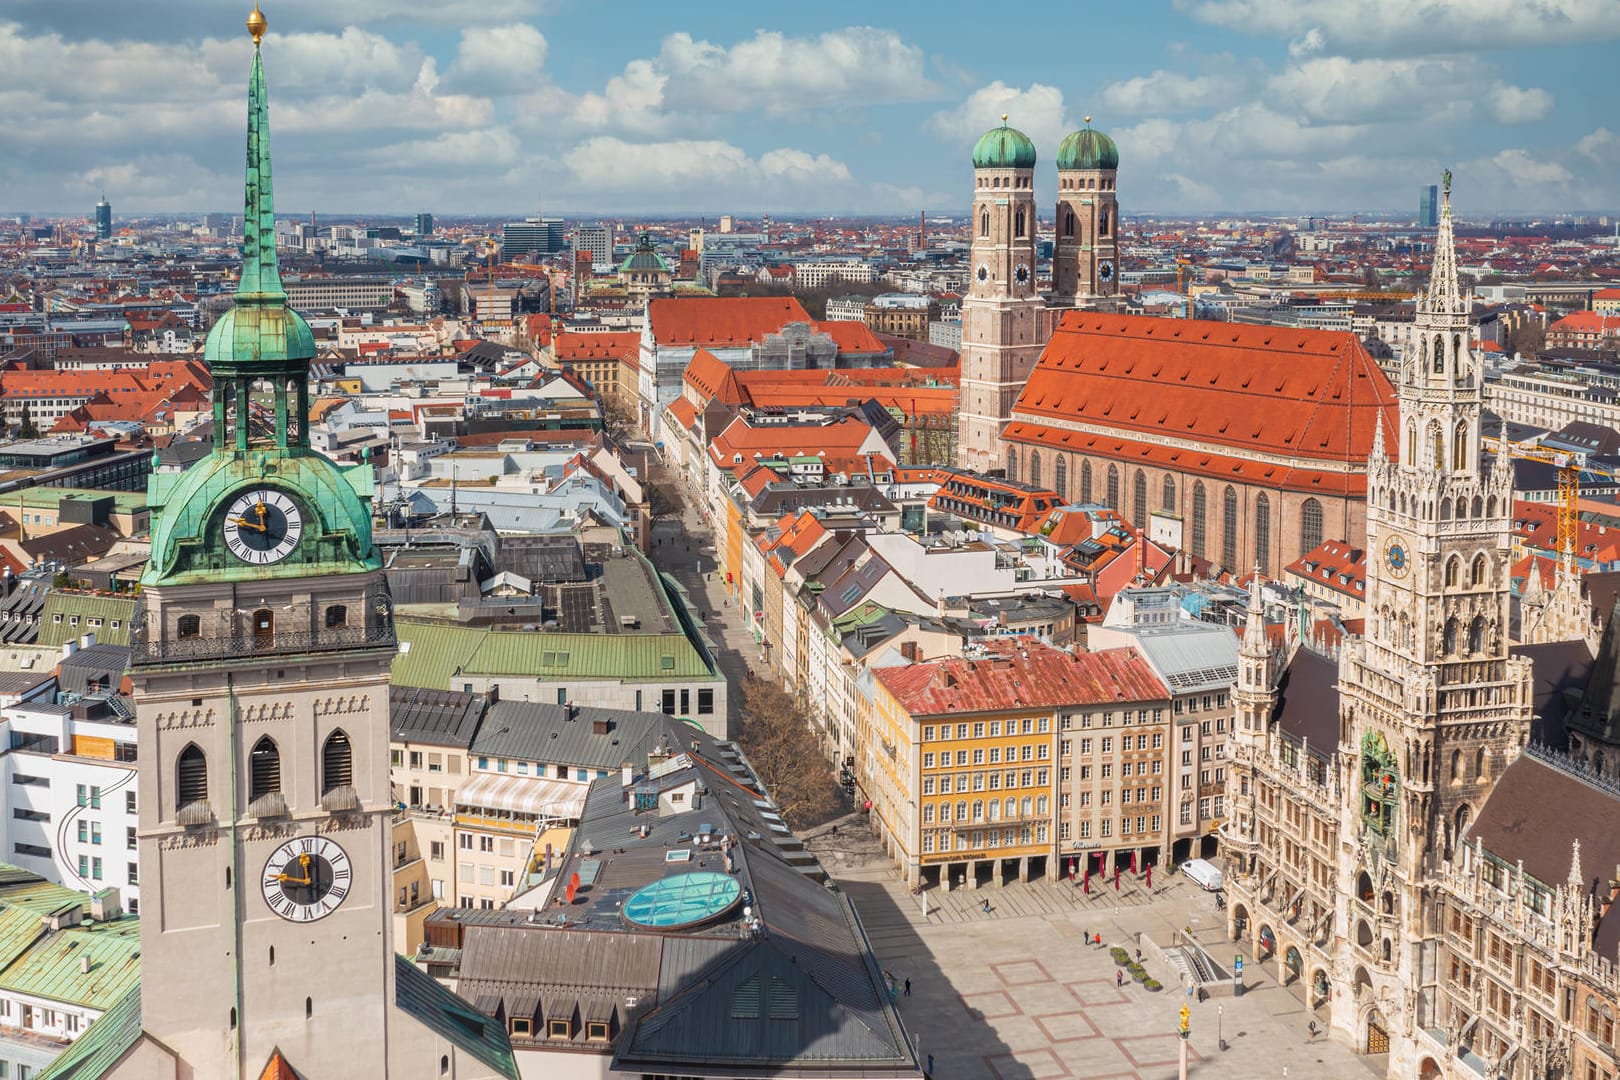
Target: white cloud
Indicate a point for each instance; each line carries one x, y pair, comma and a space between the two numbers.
610, 164
498, 59
1038, 112
1404, 27
1601, 146
1339, 89
1516, 105
857, 65
1168, 91
1529, 170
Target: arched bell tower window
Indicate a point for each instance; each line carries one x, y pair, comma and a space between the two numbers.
1459, 446
1102, 222
1453, 570
188, 626
1476, 635
1068, 222
190, 777
1018, 223
337, 762
264, 769
984, 222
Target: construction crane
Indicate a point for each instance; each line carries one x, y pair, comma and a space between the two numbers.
1569, 463
1183, 269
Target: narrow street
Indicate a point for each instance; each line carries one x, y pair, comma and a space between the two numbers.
678, 547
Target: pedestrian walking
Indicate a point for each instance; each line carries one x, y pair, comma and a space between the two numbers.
1138, 956
908, 987
984, 905
1119, 979
1097, 941
930, 1064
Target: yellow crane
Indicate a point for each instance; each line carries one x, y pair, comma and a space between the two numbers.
1569, 463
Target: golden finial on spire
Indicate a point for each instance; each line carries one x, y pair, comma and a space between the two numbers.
256, 24
1003, 119
1088, 121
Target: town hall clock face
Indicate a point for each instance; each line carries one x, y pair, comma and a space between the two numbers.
306, 879
262, 526
1397, 556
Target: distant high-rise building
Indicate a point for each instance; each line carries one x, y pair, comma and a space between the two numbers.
598, 240
726, 223
1429, 206
538, 236
424, 224
103, 219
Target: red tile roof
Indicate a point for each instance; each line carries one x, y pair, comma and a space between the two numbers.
713, 379
721, 321
852, 338
994, 502
1535, 525
1021, 673
680, 410
1330, 563
599, 346
1312, 394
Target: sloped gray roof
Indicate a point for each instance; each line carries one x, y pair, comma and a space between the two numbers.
565, 735
419, 995
434, 717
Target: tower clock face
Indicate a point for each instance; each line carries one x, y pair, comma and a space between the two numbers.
306, 879
1022, 274
1105, 270
1397, 556
982, 273
262, 526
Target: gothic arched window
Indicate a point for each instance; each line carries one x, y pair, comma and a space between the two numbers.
1068, 221
1436, 438
1113, 486
1229, 527
1169, 493
1439, 358
1018, 223
1034, 468
1262, 531
1459, 447
190, 777
1102, 222
1476, 635
1199, 524
1310, 525
1476, 576
1411, 445
1012, 465
337, 762
1085, 480
264, 769
1060, 477
1453, 570
984, 222
1139, 500
1449, 638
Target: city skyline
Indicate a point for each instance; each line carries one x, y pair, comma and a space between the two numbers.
527, 107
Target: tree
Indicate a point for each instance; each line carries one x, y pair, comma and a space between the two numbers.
785, 750
1527, 338
27, 429
663, 500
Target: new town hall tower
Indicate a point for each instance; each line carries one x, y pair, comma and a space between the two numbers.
1338, 839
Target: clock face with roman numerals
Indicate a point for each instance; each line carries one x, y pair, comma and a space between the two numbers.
306, 879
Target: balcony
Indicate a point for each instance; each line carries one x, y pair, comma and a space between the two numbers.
245, 646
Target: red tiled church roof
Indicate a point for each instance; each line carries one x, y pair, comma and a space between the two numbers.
1208, 387
721, 321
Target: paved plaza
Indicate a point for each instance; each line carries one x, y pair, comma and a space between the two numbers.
1015, 994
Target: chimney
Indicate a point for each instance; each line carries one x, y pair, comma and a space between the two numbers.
87, 640
627, 774
573, 712
601, 726
69, 648
84, 965
908, 649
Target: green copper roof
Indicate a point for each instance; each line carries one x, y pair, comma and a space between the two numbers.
1087, 148
645, 257
260, 326
93, 1054
1004, 148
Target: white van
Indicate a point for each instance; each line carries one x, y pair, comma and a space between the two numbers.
1203, 873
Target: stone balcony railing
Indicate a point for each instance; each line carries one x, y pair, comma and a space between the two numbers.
241, 646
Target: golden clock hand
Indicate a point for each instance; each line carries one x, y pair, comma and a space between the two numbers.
246, 524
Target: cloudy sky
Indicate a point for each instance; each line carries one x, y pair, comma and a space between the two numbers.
580, 106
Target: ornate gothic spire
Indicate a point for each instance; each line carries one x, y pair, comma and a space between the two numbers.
261, 277
1443, 297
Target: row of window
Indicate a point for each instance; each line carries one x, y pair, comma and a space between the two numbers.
947, 840
264, 769
990, 755
992, 781
978, 811
1029, 725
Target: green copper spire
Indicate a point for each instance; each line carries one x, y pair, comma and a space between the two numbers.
261, 278
260, 340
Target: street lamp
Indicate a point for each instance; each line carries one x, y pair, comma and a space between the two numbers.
1220, 1015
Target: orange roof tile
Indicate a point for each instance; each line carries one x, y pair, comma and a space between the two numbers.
721, 321
1311, 394
1021, 673
609, 345
854, 338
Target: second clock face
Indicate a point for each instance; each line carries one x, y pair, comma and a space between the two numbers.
1397, 556
1105, 270
262, 526
306, 879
